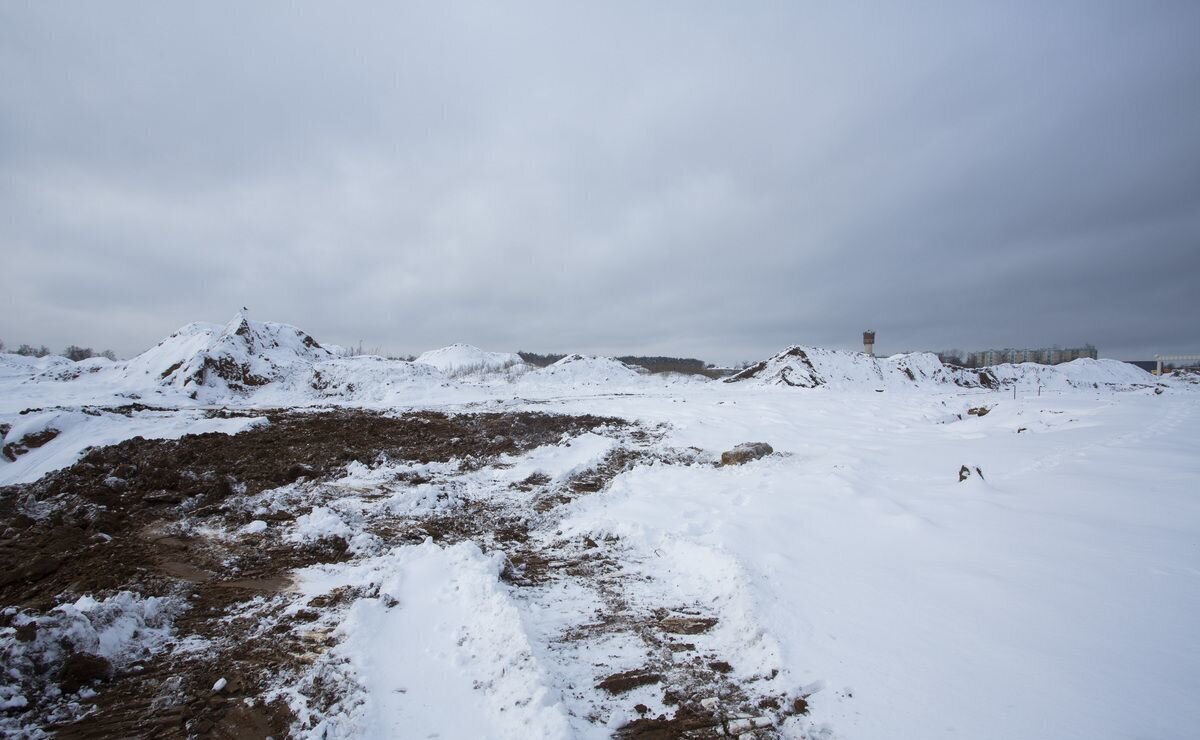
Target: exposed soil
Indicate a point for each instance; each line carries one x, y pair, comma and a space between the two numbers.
13, 450
619, 683
134, 516
116, 521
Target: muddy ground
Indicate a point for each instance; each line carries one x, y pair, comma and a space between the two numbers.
125, 517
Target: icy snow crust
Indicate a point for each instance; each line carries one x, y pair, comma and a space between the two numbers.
1053, 597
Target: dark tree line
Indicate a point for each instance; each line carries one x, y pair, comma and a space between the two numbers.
533, 358
685, 365
73, 352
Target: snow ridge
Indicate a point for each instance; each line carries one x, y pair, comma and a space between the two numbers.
812, 367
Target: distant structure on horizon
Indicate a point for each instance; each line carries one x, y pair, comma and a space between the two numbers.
869, 342
1044, 356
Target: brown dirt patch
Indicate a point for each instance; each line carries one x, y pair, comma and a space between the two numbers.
122, 518
13, 450
619, 683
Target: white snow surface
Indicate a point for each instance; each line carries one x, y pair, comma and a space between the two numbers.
440, 651
1054, 597
813, 367
582, 371
465, 359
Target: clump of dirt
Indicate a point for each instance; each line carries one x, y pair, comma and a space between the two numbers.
619, 683
746, 452
686, 625
966, 472
13, 450
81, 669
978, 411
687, 722
614, 463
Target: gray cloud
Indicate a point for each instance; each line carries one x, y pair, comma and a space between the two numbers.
682, 178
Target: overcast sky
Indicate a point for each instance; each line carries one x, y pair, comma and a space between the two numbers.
705, 179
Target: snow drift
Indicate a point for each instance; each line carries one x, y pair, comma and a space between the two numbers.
464, 359
582, 370
813, 367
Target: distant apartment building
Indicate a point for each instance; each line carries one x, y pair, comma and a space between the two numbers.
1044, 356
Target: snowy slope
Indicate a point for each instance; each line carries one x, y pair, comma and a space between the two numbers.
240, 355
813, 367
464, 359
583, 371
1053, 599
1081, 373
21, 367
370, 379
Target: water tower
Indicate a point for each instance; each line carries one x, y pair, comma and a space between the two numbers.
869, 342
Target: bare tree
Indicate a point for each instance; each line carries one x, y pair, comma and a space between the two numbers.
75, 354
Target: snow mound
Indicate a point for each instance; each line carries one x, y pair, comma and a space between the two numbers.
22, 366
1082, 373
367, 378
812, 367
582, 370
242, 354
237, 362
464, 359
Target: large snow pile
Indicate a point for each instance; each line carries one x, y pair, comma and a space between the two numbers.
1081, 373
368, 378
242, 354
267, 362
810, 367
22, 366
581, 370
464, 359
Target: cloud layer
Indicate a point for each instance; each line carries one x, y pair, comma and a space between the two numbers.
706, 179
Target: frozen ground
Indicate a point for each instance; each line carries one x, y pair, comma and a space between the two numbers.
433, 572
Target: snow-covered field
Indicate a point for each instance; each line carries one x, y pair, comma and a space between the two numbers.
928, 552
